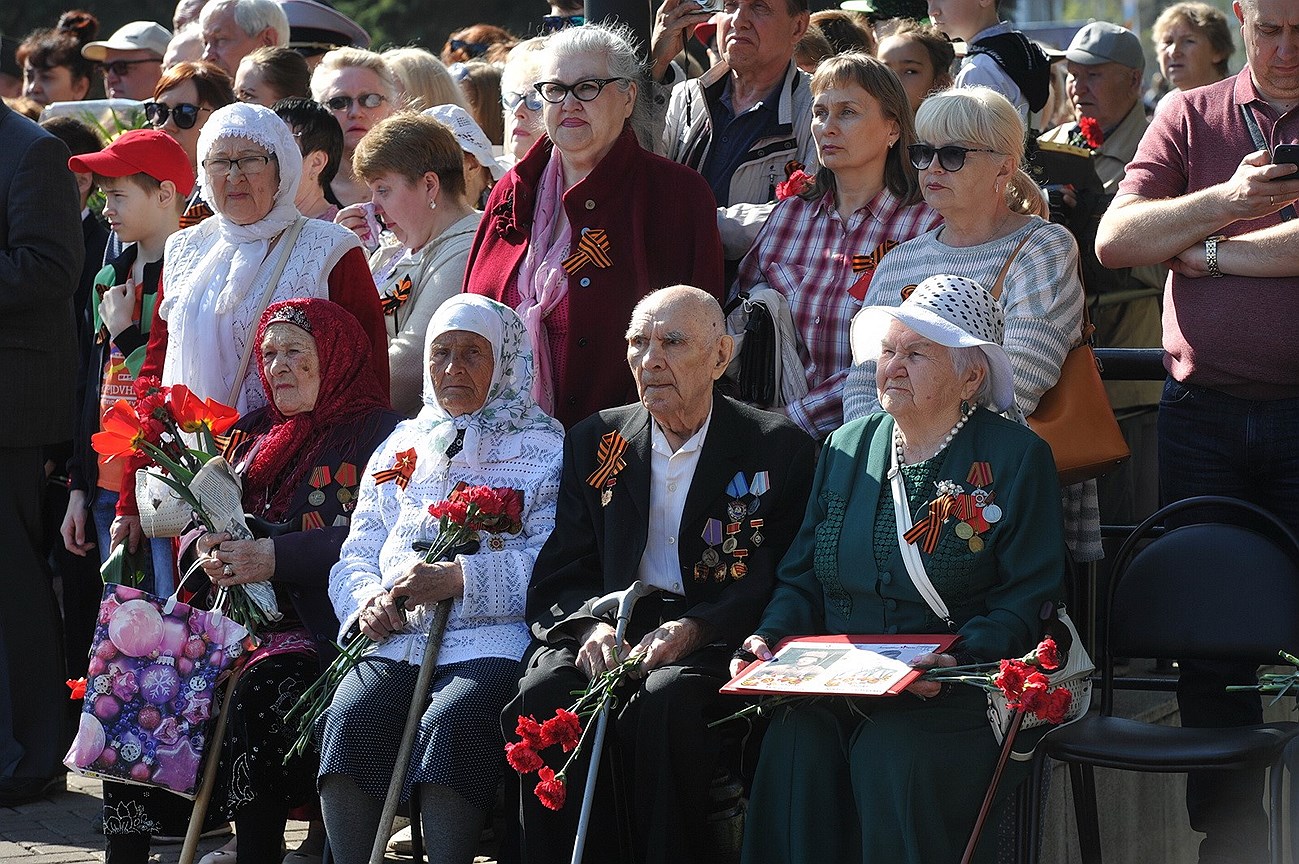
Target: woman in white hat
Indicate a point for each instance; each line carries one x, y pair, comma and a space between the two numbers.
900, 780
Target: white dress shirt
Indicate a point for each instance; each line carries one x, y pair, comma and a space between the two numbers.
670, 477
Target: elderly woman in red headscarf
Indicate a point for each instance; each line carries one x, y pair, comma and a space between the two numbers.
301, 462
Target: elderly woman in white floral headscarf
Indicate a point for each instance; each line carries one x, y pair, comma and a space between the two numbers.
256, 250
479, 426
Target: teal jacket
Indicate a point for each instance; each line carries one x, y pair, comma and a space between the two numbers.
829, 583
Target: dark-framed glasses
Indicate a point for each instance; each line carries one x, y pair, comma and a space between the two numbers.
950, 156
585, 90
553, 23
245, 165
365, 100
185, 115
122, 68
510, 100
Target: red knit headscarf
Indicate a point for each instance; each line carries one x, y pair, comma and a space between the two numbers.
349, 391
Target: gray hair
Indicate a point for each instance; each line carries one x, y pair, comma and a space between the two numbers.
342, 58
253, 16
972, 357
618, 44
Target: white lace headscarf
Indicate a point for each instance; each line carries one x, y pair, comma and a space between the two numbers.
228, 268
509, 407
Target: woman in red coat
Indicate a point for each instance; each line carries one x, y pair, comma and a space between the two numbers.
588, 223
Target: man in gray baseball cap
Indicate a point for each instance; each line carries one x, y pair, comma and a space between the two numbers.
131, 59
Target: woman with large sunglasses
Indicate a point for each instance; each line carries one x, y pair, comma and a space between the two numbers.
820, 245
588, 223
184, 99
970, 145
360, 88
520, 103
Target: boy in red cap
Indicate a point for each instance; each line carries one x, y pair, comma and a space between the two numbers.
146, 178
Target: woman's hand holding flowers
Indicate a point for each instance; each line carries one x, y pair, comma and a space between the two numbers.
929, 689
236, 562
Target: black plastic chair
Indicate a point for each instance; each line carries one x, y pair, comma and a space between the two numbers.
1226, 589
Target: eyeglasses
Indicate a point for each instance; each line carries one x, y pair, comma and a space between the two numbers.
122, 68
473, 49
950, 156
245, 165
185, 114
583, 91
510, 100
365, 100
552, 23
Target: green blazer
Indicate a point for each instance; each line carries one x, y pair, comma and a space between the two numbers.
829, 582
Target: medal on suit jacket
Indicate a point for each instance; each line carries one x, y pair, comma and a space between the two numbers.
759, 487
319, 480
712, 535
731, 543
756, 538
609, 456
738, 567
738, 488
345, 477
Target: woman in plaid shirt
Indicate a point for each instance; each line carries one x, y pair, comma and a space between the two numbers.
820, 245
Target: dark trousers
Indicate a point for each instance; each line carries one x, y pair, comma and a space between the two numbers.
659, 759
33, 698
1214, 444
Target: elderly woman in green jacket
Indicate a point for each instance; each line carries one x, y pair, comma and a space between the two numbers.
900, 779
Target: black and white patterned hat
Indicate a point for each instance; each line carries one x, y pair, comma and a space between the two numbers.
952, 311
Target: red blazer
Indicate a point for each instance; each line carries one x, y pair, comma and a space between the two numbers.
661, 225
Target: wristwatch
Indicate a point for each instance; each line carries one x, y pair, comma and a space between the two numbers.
1211, 255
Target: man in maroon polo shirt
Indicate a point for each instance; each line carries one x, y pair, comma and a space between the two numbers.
1202, 195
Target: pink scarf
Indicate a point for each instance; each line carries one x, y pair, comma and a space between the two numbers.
542, 282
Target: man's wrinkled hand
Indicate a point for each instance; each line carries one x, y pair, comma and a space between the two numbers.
669, 643
600, 650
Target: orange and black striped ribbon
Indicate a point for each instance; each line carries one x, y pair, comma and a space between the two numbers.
930, 527
393, 300
612, 446
401, 470
195, 213
228, 444
593, 248
862, 263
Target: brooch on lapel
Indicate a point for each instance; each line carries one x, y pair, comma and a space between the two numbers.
593, 248
401, 470
609, 455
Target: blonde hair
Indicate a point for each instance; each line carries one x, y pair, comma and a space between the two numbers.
984, 118
423, 79
344, 58
522, 68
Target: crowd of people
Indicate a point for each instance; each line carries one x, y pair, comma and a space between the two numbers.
526, 263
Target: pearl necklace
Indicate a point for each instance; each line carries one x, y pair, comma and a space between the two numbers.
897, 438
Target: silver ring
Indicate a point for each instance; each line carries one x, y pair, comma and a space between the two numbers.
228, 570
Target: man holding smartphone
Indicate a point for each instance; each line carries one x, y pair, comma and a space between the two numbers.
1203, 195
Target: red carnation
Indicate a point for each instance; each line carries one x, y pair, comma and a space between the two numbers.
799, 182
1011, 678
1033, 697
564, 729
78, 688
551, 790
456, 512
522, 758
1047, 655
1090, 129
532, 733
1054, 705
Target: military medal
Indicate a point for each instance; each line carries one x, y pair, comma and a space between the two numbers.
964, 530
737, 509
738, 567
401, 471
345, 477
992, 513
976, 544
609, 455
702, 571
319, 479
344, 495
341, 521
757, 538
712, 535
606, 495
761, 483
731, 543
311, 519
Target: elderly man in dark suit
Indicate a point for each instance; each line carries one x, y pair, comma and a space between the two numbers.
698, 496
40, 260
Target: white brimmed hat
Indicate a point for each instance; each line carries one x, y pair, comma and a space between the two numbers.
136, 36
473, 140
951, 311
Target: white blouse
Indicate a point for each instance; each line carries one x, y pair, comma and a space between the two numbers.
488, 620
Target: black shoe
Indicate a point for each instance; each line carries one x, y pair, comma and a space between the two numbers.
22, 790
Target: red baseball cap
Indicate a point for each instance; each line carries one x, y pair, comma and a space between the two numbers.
140, 151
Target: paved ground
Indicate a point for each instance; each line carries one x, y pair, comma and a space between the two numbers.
62, 829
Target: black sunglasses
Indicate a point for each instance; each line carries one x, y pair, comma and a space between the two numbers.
122, 68
366, 100
553, 23
950, 156
473, 49
185, 115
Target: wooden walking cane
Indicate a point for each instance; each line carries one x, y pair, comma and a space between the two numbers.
198, 815
441, 614
986, 810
